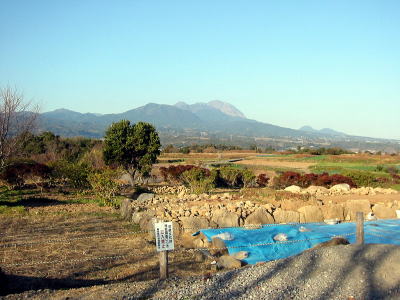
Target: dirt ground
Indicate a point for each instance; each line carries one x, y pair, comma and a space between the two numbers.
275, 163
76, 245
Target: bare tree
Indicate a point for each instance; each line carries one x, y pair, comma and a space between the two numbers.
16, 118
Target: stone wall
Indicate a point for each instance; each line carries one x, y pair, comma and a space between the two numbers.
191, 212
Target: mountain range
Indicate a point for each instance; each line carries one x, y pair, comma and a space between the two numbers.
215, 120
215, 117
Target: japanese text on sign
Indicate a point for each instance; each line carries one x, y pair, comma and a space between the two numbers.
164, 236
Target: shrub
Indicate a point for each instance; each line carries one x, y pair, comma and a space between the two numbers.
198, 180
392, 170
361, 178
18, 172
174, 173
231, 177
262, 180
75, 174
286, 179
379, 168
105, 185
293, 178
248, 178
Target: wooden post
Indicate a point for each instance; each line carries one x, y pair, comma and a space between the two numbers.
360, 228
163, 264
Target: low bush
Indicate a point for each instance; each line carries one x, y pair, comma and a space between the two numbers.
74, 174
174, 173
262, 180
391, 170
16, 173
362, 178
293, 178
105, 185
199, 181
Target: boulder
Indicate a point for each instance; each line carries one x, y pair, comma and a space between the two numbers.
137, 216
126, 208
259, 216
288, 204
332, 211
229, 262
240, 255
145, 197
224, 218
194, 224
340, 188
286, 216
197, 241
293, 189
218, 247
127, 179
354, 206
383, 212
310, 213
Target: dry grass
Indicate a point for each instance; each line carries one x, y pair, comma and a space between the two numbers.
62, 247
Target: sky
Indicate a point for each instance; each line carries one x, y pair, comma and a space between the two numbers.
322, 63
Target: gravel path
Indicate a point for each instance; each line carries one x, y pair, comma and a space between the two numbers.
340, 272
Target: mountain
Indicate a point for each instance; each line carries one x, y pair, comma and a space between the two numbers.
218, 108
212, 122
326, 131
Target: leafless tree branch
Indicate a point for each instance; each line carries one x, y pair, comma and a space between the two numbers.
16, 118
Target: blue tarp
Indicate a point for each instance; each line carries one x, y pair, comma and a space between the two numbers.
376, 232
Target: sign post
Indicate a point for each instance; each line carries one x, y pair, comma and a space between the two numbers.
164, 242
360, 228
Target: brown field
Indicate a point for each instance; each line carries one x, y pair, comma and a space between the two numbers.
275, 163
75, 245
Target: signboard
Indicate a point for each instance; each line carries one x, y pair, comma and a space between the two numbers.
164, 236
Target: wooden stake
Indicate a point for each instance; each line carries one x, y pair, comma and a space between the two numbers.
163, 264
360, 228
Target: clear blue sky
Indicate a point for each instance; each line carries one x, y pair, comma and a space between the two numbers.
291, 63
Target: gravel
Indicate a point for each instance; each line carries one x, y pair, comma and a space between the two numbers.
339, 272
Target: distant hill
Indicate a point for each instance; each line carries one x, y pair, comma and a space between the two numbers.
212, 122
328, 131
215, 117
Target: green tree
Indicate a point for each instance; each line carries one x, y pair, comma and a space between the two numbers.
135, 147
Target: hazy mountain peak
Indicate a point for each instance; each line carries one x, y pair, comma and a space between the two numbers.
323, 130
307, 128
226, 108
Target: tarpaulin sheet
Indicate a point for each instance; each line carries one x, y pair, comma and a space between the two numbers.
376, 232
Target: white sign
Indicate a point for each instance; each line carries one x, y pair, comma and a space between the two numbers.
164, 236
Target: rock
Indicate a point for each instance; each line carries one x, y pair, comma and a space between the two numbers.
137, 216
126, 208
194, 224
333, 242
240, 255
127, 179
199, 256
310, 213
340, 188
287, 204
145, 197
293, 189
229, 262
286, 216
198, 241
259, 216
354, 206
383, 212
224, 218
333, 211
147, 223
218, 247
